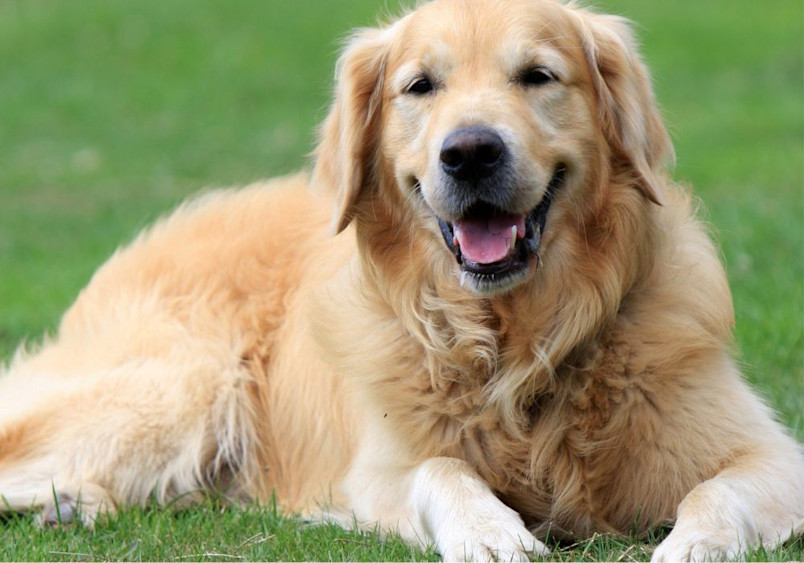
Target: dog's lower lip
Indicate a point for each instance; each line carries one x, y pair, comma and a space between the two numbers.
510, 263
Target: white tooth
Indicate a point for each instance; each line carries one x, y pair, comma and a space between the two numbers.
513, 237
458, 237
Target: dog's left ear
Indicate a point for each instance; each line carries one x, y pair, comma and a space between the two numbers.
627, 108
348, 137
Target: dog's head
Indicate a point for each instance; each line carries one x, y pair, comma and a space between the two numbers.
476, 118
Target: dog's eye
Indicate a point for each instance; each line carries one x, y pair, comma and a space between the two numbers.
422, 86
536, 76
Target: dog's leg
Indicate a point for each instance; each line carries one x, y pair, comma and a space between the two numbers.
149, 429
441, 502
464, 517
759, 499
26, 487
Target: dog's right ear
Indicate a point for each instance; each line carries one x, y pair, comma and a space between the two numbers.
348, 137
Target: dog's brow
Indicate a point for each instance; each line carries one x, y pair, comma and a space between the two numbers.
407, 73
539, 54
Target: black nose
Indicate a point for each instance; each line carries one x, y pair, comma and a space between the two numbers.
472, 153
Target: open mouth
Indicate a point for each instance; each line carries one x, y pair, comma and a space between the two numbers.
493, 246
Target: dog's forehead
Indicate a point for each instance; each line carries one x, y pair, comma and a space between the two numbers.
503, 34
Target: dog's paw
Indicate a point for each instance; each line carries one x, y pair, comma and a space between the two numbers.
89, 505
498, 537
464, 517
60, 512
698, 546
494, 544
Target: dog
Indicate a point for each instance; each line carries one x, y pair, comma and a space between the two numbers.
486, 316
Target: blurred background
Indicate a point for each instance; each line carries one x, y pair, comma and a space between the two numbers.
113, 112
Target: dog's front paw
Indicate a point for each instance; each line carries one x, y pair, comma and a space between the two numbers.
498, 537
467, 521
697, 545
494, 545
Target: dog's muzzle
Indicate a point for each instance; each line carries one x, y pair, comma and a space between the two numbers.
494, 247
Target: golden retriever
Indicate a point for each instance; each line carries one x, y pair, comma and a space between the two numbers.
520, 328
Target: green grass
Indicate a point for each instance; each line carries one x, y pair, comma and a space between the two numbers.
211, 532
112, 112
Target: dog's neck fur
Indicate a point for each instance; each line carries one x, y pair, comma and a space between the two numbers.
506, 351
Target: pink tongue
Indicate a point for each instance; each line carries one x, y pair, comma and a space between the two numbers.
488, 240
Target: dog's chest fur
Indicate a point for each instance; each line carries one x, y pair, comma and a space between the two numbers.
545, 460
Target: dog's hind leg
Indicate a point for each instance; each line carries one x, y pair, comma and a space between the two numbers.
56, 506
27, 481
147, 429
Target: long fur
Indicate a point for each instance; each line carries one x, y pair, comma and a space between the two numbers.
238, 346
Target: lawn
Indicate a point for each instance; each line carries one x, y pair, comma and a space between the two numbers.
113, 112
